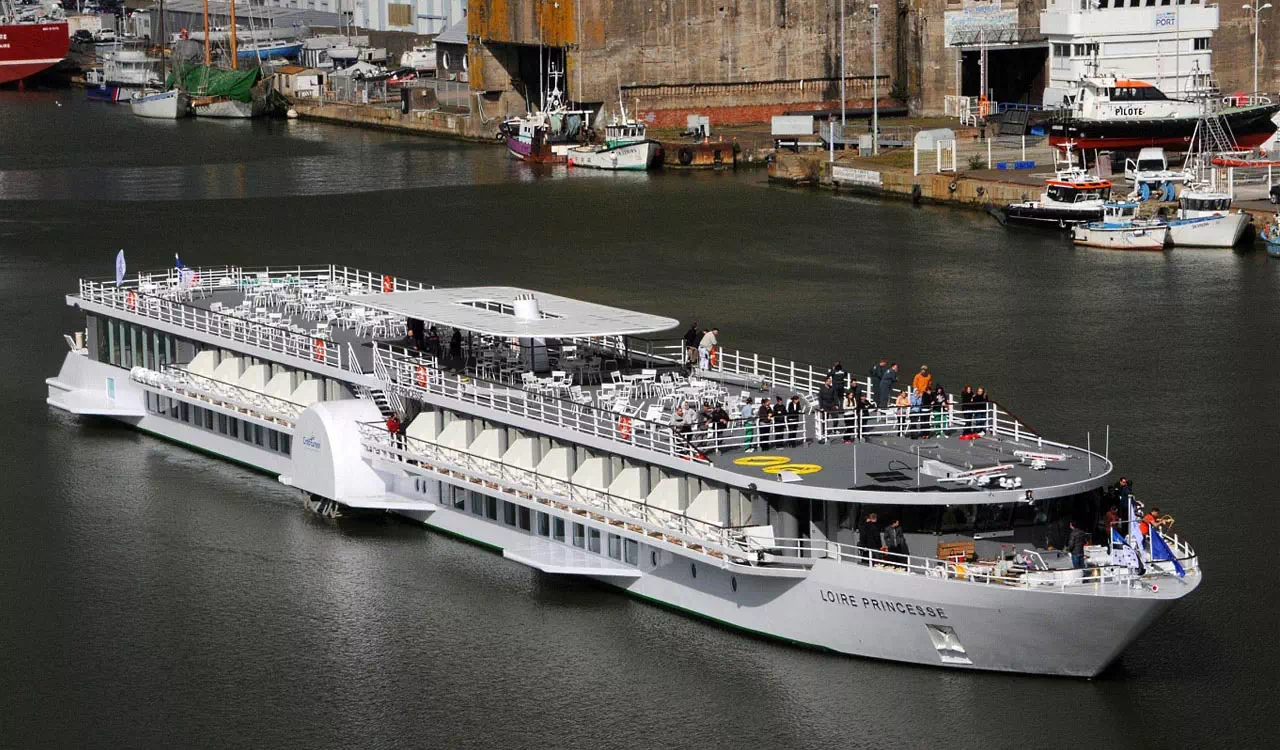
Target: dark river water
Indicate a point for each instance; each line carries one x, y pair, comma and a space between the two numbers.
157, 597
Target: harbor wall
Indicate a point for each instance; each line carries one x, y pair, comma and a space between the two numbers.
425, 123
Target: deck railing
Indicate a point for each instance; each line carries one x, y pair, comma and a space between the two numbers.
164, 296
496, 473
182, 382
728, 546
416, 376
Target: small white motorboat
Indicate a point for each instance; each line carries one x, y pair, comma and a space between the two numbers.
161, 105
1205, 219
1121, 229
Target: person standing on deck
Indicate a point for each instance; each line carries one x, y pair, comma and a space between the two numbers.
765, 418
710, 340
795, 412
894, 540
1075, 543
393, 427
826, 407
455, 344
923, 381
978, 405
748, 414
869, 537
887, 380
719, 423
691, 339
966, 406
873, 379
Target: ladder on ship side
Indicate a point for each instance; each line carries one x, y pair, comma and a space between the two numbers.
387, 403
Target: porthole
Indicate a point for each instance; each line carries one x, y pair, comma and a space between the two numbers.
653, 558
733, 581
693, 569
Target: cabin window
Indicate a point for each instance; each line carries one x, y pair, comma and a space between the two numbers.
491, 508
615, 546
631, 552
1062, 50
286, 444
459, 497
557, 529
1200, 43
522, 515
477, 503
544, 524
273, 440
593, 540
1102, 4
578, 535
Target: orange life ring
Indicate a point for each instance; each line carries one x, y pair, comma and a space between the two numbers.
131, 299
715, 355
984, 106
420, 376
388, 285
317, 350
624, 427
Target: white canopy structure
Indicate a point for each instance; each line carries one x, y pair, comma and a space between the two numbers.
514, 312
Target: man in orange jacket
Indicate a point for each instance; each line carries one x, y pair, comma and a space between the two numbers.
923, 381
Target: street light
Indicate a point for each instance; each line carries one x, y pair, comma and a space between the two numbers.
1256, 10
875, 78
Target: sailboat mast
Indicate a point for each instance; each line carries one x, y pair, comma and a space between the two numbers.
208, 59
234, 56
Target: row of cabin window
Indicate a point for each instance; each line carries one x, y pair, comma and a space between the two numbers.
537, 522
208, 419
1134, 3
1089, 49
128, 345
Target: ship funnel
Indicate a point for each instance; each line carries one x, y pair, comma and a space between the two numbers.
526, 307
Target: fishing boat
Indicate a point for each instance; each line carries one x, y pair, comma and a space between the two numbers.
516, 445
544, 136
1121, 229
626, 147
269, 49
1111, 113
218, 92
158, 103
106, 93
1204, 219
31, 39
1072, 196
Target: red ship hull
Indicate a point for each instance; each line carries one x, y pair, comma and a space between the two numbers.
28, 48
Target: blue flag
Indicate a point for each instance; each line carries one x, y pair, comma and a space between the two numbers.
178, 262
1116, 539
120, 267
1160, 551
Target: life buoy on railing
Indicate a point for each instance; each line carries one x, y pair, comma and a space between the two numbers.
317, 350
131, 299
388, 285
624, 427
420, 376
715, 356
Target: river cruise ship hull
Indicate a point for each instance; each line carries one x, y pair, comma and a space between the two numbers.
587, 479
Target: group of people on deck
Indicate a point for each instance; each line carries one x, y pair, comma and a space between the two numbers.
923, 410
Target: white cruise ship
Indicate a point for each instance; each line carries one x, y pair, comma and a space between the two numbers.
547, 428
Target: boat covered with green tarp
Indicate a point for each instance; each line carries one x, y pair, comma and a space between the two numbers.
210, 80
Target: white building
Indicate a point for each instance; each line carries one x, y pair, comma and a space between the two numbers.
1163, 42
413, 16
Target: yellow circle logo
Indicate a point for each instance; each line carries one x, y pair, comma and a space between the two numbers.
761, 460
793, 468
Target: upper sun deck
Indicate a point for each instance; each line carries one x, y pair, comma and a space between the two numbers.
606, 388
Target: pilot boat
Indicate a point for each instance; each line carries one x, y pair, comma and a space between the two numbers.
1072, 196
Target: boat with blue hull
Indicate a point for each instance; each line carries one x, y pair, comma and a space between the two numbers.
1270, 236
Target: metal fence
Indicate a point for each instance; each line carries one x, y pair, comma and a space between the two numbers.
450, 96
959, 155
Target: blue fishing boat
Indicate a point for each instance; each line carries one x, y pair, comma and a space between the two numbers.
106, 93
1270, 234
270, 50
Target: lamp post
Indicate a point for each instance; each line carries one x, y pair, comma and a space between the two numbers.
1256, 8
875, 78
843, 98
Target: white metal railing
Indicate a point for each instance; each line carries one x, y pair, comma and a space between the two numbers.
181, 382
417, 376
728, 545
745, 434
498, 474
165, 296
